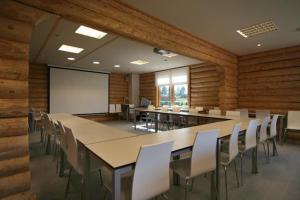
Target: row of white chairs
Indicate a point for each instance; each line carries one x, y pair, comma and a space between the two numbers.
115, 108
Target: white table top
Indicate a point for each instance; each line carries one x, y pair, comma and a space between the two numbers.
184, 113
87, 131
118, 153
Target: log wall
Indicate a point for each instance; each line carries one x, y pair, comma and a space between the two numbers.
270, 80
147, 87
118, 88
15, 32
205, 82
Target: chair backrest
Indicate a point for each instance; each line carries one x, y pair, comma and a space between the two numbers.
193, 110
250, 139
151, 174
199, 108
214, 112
151, 107
204, 152
216, 108
244, 113
263, 129
164, 108
49, 126
293, 121
176, 109
72, 148
261, 114
118, 108
112, 108
63, 136
233, 142
273, 131
233, 113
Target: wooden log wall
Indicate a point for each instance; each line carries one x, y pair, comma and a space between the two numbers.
205, 82
270, 80
118, 88
38, 87
15, 32
147, 87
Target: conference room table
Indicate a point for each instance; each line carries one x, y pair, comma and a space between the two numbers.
181, 113
118, 150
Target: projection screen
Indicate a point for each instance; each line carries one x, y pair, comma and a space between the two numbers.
78, 92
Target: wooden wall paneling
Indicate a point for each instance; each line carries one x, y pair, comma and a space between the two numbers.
38, 87
270, 80
205, 82
15, 33
118, 88
148, 87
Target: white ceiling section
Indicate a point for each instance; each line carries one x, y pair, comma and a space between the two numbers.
51, 32
217, 21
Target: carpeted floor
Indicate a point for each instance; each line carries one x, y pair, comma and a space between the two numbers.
278, 180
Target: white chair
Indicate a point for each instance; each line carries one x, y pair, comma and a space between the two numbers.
244, 113
151, 174
293, 122
216, 108
112, 108
214, 112
199, 108
249, 143
164, 108
151, 107
261, 114
263, 136
118, 108
203, 159
193, 110
176, 109
76, 159
273, 133
233, 113
227, 157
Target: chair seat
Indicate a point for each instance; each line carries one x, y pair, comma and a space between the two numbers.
182, 167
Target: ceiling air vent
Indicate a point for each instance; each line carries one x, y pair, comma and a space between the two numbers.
257, 29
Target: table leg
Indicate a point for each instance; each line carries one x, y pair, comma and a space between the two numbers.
176, 178
117, 175
281, 131
156, 122
218, 170
86, 175
62, 163
254, 160
134, 119
48, 144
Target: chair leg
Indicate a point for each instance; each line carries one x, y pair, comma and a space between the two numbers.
213, 189
275, 152
101, 179
268, 147
186, 189
68, 183
192, 185
241, 156
226, 189
236, 174
266, 156
164, 196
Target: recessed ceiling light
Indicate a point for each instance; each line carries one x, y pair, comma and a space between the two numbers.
170, 55
71, 49
257, 29
117, 66
96, 62
258, 44
87, 31
139, 62
71, 58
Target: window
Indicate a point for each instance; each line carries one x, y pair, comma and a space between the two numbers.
172, 87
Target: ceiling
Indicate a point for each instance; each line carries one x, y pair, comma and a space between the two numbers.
217, 21
51, 32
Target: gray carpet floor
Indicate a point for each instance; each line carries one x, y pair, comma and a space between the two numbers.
277, 180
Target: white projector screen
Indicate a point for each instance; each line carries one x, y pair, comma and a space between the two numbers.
78, 92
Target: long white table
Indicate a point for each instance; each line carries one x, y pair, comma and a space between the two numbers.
118, 150
186, 114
